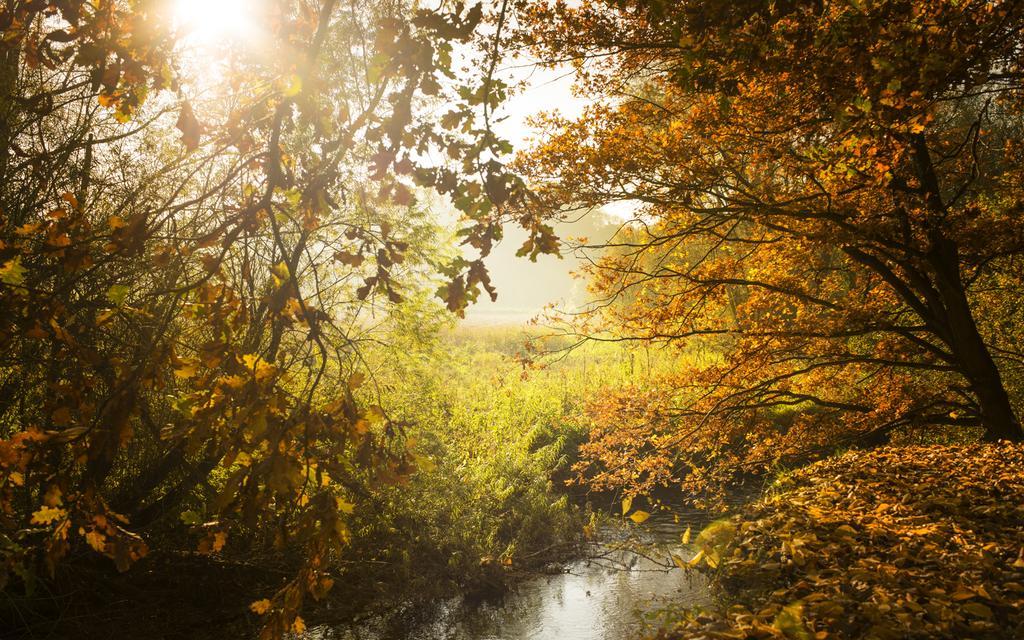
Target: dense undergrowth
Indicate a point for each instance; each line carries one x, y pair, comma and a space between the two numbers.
494, 443
897, 542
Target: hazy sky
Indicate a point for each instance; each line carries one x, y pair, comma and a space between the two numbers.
525, 287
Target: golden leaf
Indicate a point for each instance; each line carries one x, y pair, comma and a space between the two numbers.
96, 540
46, 515
260, 606
639, 516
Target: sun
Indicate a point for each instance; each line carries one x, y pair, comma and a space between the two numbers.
211, 21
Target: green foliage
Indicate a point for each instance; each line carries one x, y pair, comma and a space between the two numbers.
494, 439
493, 444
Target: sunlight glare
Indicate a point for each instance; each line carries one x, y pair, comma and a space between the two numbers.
211, 21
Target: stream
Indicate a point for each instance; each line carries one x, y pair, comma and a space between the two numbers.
602, 597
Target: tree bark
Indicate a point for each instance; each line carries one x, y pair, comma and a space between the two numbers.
977, 364
953, 310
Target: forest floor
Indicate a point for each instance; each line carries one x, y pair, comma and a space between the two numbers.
897, 542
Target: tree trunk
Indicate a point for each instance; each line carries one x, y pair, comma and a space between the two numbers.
969, 347
954, 311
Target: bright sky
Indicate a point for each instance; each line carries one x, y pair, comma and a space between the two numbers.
545, 90
525, 287
211, 20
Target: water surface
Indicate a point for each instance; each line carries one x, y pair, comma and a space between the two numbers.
601, 597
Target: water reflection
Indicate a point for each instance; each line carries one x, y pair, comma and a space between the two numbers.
595, 599
592, 602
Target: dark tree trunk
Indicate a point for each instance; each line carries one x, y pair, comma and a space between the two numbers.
952, 310
969, 347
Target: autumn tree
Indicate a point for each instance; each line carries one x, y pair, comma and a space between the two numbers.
194, 245
828, 201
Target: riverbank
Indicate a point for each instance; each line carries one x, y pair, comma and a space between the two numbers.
897, 542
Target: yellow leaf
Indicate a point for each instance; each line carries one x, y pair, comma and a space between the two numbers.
260, 368
281, 271
46, 515
639, 516
846, 531
96, 540
375, 414
425, 464
186, 368
189, 126
298, 625
235, 382
686, 536
117, 293
294, 86
260, 606
627, 502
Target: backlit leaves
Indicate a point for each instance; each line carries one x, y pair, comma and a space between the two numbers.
168, 324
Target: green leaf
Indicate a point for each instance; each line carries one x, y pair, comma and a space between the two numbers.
12, 273
117, 293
